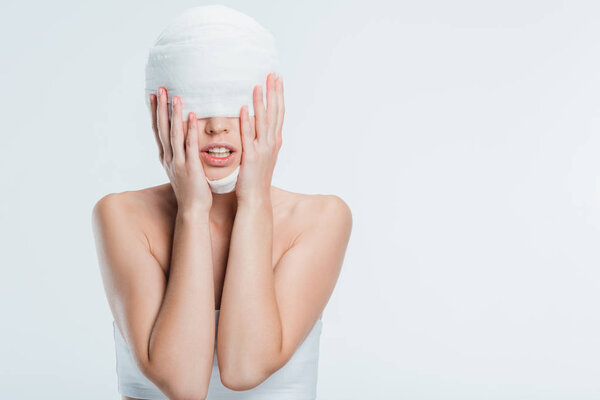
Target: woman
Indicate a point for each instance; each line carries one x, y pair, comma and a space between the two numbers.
218, 294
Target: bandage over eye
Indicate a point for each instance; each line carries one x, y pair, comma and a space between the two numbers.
211, 57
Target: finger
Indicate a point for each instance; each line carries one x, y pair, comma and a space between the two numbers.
260, 116
245, 129
280, 111
252, 126
192, 156
163, 124
272, 107
177, 131
155, 126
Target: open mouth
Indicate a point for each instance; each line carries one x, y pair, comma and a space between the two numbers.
219, 154
220, 158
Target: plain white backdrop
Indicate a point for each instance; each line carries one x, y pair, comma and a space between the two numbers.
464, 135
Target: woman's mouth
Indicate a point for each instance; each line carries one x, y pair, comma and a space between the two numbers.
218, 158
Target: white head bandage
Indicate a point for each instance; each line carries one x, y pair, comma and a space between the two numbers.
212, 57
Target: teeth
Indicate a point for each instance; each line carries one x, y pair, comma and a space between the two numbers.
219, 150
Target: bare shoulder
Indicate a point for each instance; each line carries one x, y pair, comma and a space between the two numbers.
142, 210
141, 201
309, 211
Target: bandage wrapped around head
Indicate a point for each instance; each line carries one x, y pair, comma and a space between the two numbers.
211, 57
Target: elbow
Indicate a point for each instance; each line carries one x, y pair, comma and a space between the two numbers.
187, 396
242, 379
248, 373
177, 385
175, 392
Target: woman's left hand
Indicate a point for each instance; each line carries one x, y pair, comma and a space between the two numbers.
261, 141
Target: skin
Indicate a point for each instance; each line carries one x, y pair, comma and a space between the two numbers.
170, 255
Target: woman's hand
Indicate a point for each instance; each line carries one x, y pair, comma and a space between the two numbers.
261, 141
179, 154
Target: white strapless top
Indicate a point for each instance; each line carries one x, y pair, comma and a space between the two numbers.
296, 380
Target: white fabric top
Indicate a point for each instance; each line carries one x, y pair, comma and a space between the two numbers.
296, 380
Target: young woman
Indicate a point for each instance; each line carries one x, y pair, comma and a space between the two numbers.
219, 295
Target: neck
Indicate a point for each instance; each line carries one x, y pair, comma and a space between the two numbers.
224, 207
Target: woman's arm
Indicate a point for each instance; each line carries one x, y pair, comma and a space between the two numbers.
182, 341
267, 311
169, 326
249, 324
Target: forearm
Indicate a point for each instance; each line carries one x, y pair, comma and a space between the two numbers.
181, 347
249, 322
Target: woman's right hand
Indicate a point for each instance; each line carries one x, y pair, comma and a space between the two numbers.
179, 154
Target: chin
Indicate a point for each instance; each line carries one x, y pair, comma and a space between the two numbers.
218, 172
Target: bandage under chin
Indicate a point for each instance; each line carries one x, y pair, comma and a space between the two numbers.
211, 57
224, 185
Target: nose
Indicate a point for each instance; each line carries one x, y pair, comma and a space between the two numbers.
216, 125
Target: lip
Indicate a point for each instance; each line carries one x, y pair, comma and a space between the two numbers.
218, 144
218, 161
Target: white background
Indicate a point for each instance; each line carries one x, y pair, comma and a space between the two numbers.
464, 135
